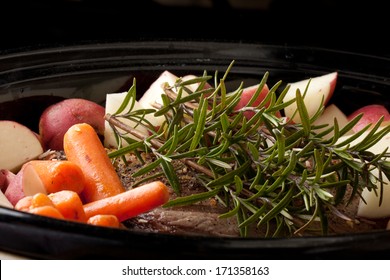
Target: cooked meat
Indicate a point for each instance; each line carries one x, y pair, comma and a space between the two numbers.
198, 221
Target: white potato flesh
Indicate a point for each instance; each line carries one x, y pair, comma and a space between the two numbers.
4, 202
154, 92
18, 144
320, 88
113, 102
153, 95
32, 183
330, 113
372, 209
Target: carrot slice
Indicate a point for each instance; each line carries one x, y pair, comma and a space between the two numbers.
130, 203
58, 175
69, 204
48, 211
104, 221
82, 146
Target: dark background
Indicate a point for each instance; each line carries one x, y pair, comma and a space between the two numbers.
347, 25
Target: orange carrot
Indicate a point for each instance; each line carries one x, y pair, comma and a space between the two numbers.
82, 146
40, 199
33, 201
104, 221
48, 211
130, 203
69, 204
57, 175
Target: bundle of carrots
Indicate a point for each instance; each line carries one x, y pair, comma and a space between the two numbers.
102, 200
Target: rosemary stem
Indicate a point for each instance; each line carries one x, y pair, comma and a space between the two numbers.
199, 168
115, 122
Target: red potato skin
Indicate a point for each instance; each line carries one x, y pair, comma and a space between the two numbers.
14, 191
247, 94
6, 178
59, 117
372, 113
332, 89
2, 179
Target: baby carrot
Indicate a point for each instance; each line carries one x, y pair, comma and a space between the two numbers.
104, 221
58, 175
131, 202
69, 204
83, 147
33, 201
40, 199
48, 211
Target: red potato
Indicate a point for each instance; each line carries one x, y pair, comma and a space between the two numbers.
59, 117
26, 183
246, 96
18, 144
369, 206
371, 114
153, 95
320, 87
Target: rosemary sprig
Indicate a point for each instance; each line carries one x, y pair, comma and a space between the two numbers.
267, 171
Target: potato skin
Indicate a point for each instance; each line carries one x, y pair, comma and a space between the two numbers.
56, 119
6, 178
14, 191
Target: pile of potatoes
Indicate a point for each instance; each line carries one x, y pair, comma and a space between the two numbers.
20, 144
